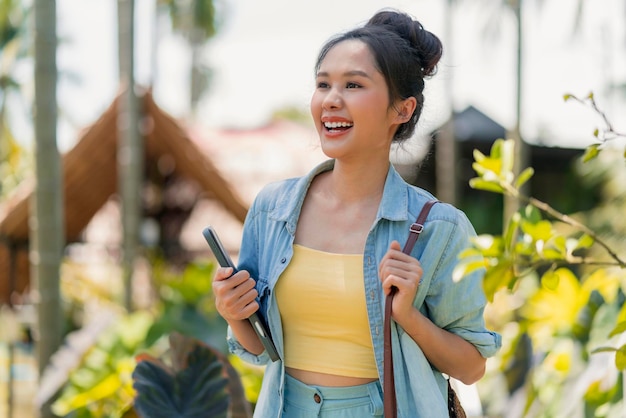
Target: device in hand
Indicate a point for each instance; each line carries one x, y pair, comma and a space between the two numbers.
225, 261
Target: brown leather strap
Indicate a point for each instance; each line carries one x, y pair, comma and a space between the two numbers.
389, 387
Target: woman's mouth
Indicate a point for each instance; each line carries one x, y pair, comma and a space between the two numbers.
337, 126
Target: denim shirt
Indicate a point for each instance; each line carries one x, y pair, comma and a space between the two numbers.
457, 307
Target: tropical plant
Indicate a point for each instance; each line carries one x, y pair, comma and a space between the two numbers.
198, 382
556, 292
180, 338
101, 384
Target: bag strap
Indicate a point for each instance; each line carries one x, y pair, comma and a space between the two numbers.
389, 387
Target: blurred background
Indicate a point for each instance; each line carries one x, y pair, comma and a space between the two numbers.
104, 189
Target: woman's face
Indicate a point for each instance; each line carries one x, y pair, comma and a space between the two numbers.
350, 105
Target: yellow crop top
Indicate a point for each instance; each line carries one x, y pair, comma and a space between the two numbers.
321, 298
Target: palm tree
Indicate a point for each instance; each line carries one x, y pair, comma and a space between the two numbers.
446, 156
47, 228
195, 20
130, 146
522, 151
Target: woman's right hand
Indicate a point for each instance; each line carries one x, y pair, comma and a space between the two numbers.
235, 294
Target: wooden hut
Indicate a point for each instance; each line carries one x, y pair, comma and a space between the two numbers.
90, 179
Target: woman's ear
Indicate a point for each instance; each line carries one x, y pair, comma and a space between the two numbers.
405, 109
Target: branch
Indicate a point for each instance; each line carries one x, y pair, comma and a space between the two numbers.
609, 127
509, 189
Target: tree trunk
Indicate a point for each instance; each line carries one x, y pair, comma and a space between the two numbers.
47, 220
522, 150
130, 147
446, 155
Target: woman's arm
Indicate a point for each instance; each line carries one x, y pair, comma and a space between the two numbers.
446, 351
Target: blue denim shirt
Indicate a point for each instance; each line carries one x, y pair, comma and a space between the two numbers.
266, 251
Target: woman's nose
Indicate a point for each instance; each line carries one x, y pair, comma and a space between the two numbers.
332, 99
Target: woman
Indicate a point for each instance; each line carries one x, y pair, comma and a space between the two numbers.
319, 253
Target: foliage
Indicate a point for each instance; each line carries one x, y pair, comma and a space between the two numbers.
251, 378
96, 372
191, 17
186, 304
556, 289
14, 159
102, 385
604, 135
193, 386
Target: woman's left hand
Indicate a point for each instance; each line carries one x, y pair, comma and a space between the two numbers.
403, 272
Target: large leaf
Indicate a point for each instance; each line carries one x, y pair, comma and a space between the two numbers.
187, 320
197, 391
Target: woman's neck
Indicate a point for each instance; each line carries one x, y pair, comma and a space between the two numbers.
357, 183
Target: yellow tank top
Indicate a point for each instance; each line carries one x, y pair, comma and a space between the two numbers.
321, 298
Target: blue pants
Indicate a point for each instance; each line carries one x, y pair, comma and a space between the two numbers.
304, 401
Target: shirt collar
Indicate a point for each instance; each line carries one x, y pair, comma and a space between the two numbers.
393, 206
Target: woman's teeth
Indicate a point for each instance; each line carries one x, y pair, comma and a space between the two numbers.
333, 125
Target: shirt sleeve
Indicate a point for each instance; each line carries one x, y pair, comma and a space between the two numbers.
248, 260
458, 307
237, 349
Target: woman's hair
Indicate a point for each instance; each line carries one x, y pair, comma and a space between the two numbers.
404, 52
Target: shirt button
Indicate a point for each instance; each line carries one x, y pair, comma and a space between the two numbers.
317, 398
283, 260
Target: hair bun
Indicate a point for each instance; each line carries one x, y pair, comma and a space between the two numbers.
428, 47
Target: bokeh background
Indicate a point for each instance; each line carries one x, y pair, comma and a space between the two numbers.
219, 108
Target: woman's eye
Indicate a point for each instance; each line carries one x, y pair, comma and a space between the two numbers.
322, 85
352, 85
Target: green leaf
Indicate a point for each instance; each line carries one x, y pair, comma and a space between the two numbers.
620, 358
199, 390
550, 280
540, 231
584, 319
498, 277
489, 186
511, 231
489, 245
507, 156
532, 214
464, 269
585, 241
566, 97
478, 156
181, 318
524, 177
604, 350
591, 152
619, 328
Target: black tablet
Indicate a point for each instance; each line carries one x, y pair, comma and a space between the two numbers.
225, 261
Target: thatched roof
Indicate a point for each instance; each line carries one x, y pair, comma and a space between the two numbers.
90, 179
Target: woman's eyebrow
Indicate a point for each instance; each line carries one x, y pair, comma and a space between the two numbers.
350, 73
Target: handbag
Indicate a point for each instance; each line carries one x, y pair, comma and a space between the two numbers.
455, 409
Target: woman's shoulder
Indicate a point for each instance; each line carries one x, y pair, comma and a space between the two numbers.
442, 211
274, 192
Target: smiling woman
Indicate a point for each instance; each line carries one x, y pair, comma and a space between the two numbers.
331, 239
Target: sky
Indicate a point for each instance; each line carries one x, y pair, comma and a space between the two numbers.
263, 56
